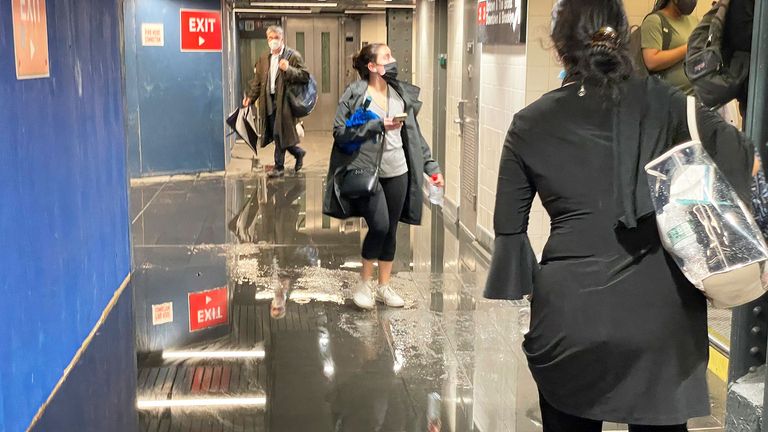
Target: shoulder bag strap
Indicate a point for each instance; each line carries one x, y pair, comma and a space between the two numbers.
693, 126
666, 33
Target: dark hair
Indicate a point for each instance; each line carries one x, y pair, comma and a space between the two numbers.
591, 37
366, 55
660, 4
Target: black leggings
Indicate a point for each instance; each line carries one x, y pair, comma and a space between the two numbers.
558, 421
382, 212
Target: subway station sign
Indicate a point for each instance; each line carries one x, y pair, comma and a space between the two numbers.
501, 22
201, 30
30, 39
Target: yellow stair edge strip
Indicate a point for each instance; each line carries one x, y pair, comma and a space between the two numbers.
718, 362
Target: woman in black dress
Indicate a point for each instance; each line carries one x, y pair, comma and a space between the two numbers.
617, 334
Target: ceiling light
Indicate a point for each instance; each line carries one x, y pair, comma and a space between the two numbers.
257, 354
273, 11
289, 4
258, 401
390, 6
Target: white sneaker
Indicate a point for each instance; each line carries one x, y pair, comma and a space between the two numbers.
362, 296
385, 294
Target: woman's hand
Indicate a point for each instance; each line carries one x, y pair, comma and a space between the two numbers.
392, 124
438, 181
246, 101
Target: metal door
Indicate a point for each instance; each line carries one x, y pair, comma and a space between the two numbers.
317, 39
468, 111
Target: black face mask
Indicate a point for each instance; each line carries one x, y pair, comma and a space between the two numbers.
390, 72
686, 7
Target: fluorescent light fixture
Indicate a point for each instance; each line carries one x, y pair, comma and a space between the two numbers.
257, 354
273, 11
390, 6
287, 4
364, 12
258, 401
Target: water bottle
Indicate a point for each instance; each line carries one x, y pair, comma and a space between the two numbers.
435, 192
434, 424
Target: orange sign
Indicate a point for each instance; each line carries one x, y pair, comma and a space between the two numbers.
30, 37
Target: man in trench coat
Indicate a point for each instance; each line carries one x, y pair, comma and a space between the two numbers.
274, 71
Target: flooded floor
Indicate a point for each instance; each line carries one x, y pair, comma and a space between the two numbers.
244, 321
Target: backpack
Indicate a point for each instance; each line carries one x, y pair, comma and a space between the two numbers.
714, 82
636, 44
302, 98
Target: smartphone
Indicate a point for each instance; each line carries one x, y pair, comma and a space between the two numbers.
400, 117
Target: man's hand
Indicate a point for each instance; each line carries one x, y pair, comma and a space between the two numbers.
284, 65
246, 101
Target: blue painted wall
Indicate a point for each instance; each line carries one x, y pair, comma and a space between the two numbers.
63, 201
100, 393
175, 99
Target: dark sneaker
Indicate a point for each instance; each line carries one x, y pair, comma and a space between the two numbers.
276, 173
300, 161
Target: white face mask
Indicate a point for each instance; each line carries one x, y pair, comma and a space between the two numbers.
274, 44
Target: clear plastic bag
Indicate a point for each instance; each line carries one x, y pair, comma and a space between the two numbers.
706, 228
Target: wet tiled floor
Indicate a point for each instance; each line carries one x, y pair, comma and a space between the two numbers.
324, 365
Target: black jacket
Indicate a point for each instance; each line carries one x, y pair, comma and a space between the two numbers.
417, 152
738, 37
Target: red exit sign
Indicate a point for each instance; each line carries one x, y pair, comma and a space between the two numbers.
482, 12
208, 309
201, 30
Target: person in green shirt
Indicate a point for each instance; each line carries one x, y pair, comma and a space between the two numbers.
668, 63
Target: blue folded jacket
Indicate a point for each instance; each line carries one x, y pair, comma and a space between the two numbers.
360, 117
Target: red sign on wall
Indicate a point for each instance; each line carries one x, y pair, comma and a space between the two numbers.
200, 30
208, 309
482, 12
30, 38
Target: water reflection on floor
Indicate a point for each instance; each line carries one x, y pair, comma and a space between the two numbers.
305, 358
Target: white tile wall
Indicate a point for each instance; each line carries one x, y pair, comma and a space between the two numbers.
423, 69
502, 94
453, 140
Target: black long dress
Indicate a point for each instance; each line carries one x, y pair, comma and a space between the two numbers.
617, 333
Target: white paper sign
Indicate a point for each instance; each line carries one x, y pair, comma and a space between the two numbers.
162, 313
152, 34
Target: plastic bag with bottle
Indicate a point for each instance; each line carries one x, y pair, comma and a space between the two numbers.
707, 229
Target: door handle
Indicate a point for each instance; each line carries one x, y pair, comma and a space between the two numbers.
460, 107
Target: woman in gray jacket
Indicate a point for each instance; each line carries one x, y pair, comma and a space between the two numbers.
404, 161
